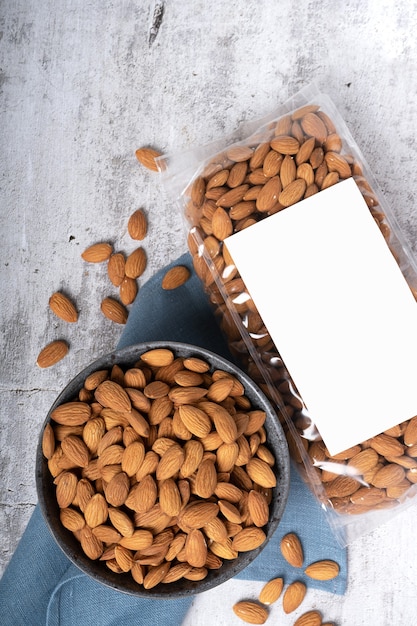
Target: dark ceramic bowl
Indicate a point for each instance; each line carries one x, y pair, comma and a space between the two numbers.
124, 582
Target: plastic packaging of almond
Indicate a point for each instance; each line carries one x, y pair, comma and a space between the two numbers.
315, 289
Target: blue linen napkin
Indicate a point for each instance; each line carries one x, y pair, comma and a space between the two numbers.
42, 587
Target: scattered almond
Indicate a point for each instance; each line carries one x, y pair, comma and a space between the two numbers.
146, 157
250, 612
135, 263
271, 591
97, 253
322, 570
175, 277
116, 268
52, 353
137, 225
63, 308
114, 310
311, 618
293, 596
292, 550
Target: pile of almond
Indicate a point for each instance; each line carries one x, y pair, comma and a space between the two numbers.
161, 469
256, 612
301, 154
123, 273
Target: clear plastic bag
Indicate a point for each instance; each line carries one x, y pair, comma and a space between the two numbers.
232, 184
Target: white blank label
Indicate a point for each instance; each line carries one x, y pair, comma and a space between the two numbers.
338, 310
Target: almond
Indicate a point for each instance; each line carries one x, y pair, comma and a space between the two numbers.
386, 445
220, 389
239, 153
75, 449
218, 179
138, 423
291, 549
224, 549
258, 508
248, 538
91, 545
364, 460
71, 519
237, 174
175, 277
135, 263
272, 163
140, 540
311, 618
137, 225
170, 498
128, 290
133, 457
261, 473
302, 111
224, 423
196, 548
97, 253
197, 514
48, 441
410, 434
170, 462
117, 489
388, 476
221, 224
121, 521
341, 486
85, 491
271, 591
293, 596
233, 196
177, 572
293, 192
63, 308
52, 353
322, 570
124, 558
194, 364
114, 310
158, 357
112, 395
96, 510
146, 157
116, 268
193, 454
227, 454
66, 488
155, 575
250, 612
288, 171
337, 163
285, 144
368, 496
195, 419
145, 494
269, 194
206, 479
313, 126
198, 189
71, 413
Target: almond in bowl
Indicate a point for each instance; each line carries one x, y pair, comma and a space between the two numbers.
162, 470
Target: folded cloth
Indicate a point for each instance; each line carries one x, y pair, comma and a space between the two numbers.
41, 586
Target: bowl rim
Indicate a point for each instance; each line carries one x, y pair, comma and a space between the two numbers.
124, 582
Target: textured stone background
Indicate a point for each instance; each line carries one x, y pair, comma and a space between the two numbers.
83, 84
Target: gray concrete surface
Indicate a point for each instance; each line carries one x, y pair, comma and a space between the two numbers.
86, 82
